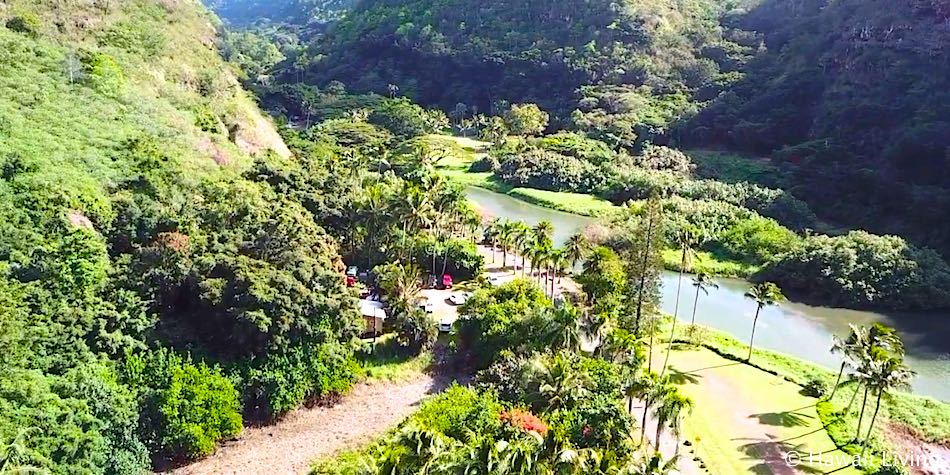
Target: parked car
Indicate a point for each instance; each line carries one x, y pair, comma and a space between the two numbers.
445, 327
447, 281
495, 280
427, 306
459, 298
352, 271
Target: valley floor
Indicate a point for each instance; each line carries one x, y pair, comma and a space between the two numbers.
291, 445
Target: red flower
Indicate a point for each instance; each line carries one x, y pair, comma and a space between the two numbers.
524, 420
587, 431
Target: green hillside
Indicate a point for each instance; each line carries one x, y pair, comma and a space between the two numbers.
151, 296
849, 98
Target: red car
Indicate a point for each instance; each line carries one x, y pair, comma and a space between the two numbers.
447, 281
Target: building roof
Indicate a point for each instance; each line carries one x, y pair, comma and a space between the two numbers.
372, 308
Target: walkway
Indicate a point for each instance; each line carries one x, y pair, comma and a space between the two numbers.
291, 445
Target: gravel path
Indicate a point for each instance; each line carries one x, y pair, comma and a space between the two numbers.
291, 445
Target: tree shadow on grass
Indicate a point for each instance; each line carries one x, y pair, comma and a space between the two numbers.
725, 365
771, 457
784, 419
682, 377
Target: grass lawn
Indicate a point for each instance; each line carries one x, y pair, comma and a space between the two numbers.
709, 263
577, 203
386, 362
745, 420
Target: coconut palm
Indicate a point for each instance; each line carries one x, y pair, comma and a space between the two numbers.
564, 327
492, 231
576, 248
543, 231
653, 465
505, 238
686, 239
654, 389
670, 410
703, 282
764, 294
558, 265
847, 348
557, 381
888, 373
874, 344
524, 241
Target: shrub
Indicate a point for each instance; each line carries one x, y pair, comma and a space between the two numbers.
815, 388
546, 170
25, 22
406, 119
186, 407
104, 73
460, 410
526, 119
284, 380
759, 239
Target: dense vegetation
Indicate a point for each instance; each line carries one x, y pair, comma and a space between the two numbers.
848, 101
293, 12
169, 268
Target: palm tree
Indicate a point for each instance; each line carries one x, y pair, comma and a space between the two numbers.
505, 236
686, 239
888, 373
543, 231
492, 231
764, 294
401, 284
523, 241
847, 348
702, 281
576, 248
592, 327
671, 410
564, 327
653, 465
558, 381
875, 344
558, 265
654, 389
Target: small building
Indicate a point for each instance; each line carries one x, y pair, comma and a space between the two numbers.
374, 315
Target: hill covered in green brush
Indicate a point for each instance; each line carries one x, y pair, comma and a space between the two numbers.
155, 290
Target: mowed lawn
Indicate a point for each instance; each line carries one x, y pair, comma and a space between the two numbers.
745, 420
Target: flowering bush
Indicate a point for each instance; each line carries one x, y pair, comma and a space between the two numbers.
524, 420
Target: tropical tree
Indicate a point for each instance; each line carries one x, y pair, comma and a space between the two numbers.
670, 410
763, 294
492, 232
558, 264
703, 282
686, 239
563, 329
557, 381
523, 241
847, 348
401, 284
887, 374
505, 237
576, 248
874, 345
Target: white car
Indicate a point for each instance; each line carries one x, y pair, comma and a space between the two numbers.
495, 280
427, 306
445, 327
459, 298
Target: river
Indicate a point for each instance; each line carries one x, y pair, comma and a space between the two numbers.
803, 331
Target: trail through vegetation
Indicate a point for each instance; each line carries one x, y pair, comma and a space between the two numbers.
310, 433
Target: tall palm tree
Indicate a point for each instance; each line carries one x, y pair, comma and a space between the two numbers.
888, 373
543, 231
686, 239
654, 390
558, 266
874, 344
764, 294
505, 236
847, 348
703, 282
576, 248
563, 331
652, 465
523, 240
492, 231
558, 382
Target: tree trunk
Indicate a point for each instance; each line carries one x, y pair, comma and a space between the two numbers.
650, 356
695, 303
752, 338
643, 422
864, 404
877, 407
445, 261
853, 397
659, 433
643, 276
493, 250
837, 381
676, 308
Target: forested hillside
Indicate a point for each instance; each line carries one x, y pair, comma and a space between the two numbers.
154, 290
299, 12
855, 97
848, 98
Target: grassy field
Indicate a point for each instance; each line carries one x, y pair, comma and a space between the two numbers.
460, 153
746, 420
709, 263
